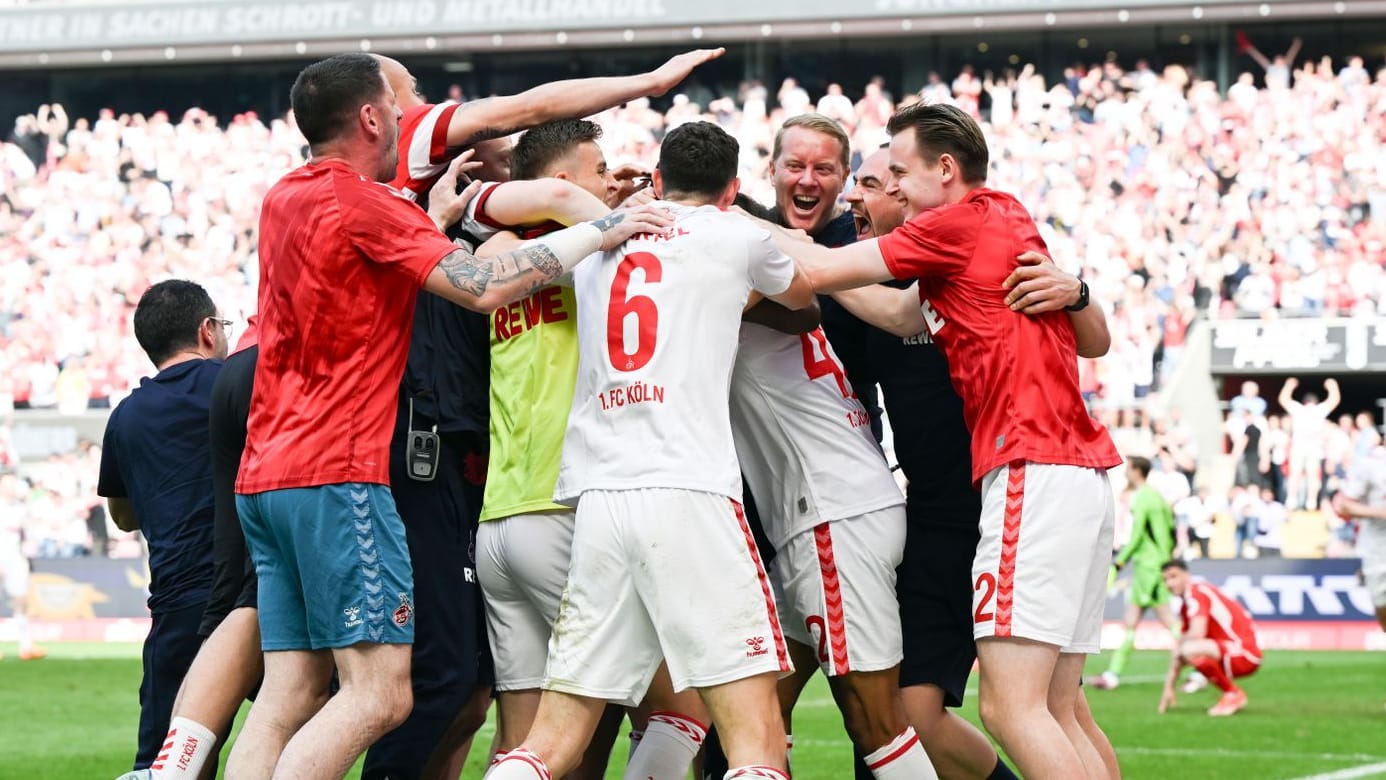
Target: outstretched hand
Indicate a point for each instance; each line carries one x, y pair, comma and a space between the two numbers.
620, 225
1038, 286
668, 75
445, 204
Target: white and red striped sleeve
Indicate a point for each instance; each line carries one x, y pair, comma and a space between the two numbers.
423, 147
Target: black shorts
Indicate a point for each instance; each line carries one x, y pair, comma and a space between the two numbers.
233, 575
934, 588
234, 584
451, 657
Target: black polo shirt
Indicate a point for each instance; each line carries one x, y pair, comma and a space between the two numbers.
156, 452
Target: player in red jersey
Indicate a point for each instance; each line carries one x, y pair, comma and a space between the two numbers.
1039, 574
431, 135
341, 259
1219, 639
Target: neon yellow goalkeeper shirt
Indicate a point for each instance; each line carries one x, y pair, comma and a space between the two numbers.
534, 358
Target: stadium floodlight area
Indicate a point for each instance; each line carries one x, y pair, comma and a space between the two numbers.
71, 33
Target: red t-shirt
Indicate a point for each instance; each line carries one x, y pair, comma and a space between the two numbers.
341, 261
1017, 374
423, 148
1228, 621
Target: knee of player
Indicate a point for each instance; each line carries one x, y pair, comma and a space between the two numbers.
992, 710
473, 714
386, 704
1000, 709
1189, 651
872, 729
873, 716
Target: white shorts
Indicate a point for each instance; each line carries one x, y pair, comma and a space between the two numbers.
522, 565
16, 573
1041, 566
835, 587
662, 574
1374, 575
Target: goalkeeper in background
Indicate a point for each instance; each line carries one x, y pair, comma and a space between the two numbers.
1150, 545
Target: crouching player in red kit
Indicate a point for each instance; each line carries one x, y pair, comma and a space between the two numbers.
1219, 639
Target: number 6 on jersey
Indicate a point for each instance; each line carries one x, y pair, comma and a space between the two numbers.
622, 307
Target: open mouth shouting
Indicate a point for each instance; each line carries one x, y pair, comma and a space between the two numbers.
805, 212
862, 222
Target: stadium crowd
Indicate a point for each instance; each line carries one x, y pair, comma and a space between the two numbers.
1139, 202
1172, 199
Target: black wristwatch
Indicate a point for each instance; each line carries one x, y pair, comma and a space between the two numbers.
1082, 298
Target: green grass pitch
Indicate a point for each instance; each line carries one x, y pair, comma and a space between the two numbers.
74, 714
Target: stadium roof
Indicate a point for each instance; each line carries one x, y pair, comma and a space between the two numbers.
59, 32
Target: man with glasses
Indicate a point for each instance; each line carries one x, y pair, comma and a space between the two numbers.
156, 475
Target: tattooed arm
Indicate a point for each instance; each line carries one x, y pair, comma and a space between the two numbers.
486, 284
494, 117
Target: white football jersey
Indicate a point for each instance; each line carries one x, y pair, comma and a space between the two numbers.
657, 335
1366, 483
803, 438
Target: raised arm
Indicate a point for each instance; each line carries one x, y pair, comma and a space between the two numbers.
1293, 52
1333, 397
486, 284
893, 310
498, 116
1256, 54
1287, 394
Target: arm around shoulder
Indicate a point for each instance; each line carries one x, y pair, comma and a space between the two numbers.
539, 200
890, 309
799, 294
775, 316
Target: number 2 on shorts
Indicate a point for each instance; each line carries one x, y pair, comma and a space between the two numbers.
984, 580
642, 306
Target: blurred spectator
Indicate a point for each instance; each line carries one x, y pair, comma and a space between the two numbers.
793, 99
1174, 202
1270, 521
1250, 400
1245, 509
1278, 442
1194, 515
1277, 69
1308, 440
1366, 437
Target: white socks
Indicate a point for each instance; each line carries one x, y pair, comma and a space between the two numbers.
186, 748
26, 636
667, 748
519, 764
903, 758
755, 773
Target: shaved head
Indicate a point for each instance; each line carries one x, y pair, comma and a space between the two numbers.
399, 78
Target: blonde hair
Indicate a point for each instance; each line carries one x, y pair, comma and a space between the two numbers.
818, 123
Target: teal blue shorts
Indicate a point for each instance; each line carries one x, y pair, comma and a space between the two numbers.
333, 566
